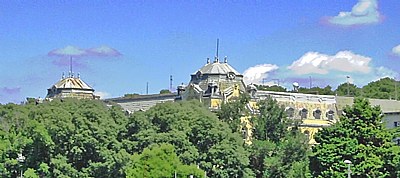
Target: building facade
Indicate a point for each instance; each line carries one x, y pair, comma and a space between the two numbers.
71, 87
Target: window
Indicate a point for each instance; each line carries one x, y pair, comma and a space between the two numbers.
307, 133
289, 111
317, 114
398, 141
303, 113
396, 124
330, 114
244, 133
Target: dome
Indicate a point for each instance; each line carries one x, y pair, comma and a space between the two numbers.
73, 83
218, 68
71, 87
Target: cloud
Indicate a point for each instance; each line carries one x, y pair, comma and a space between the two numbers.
63, 55
103, 51
73, 51
364, 12
320, 70
396, 50
68, 51
103, 95
257, 73
317, 63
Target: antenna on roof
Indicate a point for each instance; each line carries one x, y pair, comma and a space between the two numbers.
217, 47
147, 88
70, 67
170, 83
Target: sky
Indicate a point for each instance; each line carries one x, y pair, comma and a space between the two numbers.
118, 47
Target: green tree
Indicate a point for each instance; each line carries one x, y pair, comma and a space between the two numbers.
197, 134
232, 111
165, 91
271, 123
360, 137
271, 88
348, 89
62, 138
384, 88
317, 90
278, 149
160, 161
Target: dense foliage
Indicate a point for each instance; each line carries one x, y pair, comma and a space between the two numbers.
360, 137
85, 138
384, 88
279, 149
160, 161
62, 139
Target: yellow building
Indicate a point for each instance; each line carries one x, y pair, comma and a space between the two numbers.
218, 82
314, 111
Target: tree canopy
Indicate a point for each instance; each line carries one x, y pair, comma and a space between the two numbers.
360, 137
279, 149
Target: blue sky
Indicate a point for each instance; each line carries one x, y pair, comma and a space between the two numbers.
119, 46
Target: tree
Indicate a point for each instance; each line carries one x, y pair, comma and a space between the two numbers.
384, 88
197, 134
160, 161
232, 111
278, 149
271, 124
348, 89
360, 137
165, 91
68, 138
271, 88
317, 90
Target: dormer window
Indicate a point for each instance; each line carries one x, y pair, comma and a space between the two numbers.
199, 75
231, 75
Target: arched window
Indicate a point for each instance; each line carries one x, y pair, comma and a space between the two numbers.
289, 111
303, 113
317, 114
330, 114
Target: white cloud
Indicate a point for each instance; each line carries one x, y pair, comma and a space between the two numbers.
396, 50
103, 51
317, 63
364, 12
103, 95
256, 73
68, 51
322, 70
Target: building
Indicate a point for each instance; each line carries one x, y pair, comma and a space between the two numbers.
71, 87
213, 84
218, 82
142, 102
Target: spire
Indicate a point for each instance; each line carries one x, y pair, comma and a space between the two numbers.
70, 67
226, 59
208, 60
217, 47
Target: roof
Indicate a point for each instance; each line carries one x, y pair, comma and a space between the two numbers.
387, 106
218, 68
72, 82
